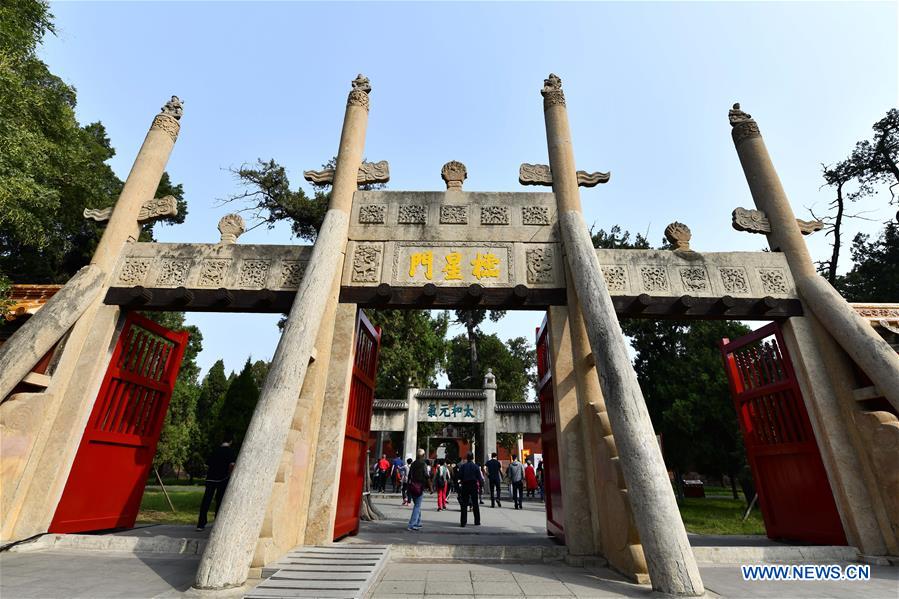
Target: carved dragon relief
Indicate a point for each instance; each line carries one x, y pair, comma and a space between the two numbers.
155, 208
541, 174
369, 173
756, 221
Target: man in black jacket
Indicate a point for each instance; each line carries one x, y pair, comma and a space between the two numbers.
469, 475
495, 479
221, 463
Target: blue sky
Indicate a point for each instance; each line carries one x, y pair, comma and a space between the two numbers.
648, 88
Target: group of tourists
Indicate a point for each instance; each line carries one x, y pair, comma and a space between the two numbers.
468, 480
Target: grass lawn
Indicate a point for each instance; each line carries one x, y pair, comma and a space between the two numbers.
154, 509
720, 517
703, 516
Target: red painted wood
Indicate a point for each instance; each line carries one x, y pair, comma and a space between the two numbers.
110, 470
794, 494
552, 484
358, 425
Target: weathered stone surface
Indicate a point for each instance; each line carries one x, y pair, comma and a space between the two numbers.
872, 354
43, 330
231, 226
210, 266
672, 567
150, 210
228, 555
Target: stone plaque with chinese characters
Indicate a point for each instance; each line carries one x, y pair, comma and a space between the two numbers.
450, 410
453, 264
456, 239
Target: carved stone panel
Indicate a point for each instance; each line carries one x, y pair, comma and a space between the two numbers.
535, 215
734, 279
773, 280
133, 271
173, 273
454, 215
695, 279
366, 264
372, 214
212, 272
253, 274
292, 272
654, 278
540, 265
616, 277
494, 215
413, 215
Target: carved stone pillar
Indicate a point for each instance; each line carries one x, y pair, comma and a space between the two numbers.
489, 416
852, 332
228, 555
669, 557
78, 375
410, 437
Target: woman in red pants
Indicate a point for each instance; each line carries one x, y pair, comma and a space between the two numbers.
441, 482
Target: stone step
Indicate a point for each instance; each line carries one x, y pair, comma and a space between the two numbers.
866, 393
326, 571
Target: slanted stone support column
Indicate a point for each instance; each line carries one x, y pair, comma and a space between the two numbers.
614, 529
669, 557
328, 451
410, 436
292, 498
31, 500
489, 415
852, 332
227, 557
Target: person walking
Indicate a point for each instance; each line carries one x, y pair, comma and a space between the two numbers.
404, 478
383, 468
418, 478
396, 473
516, 477
540, 480
220, 465
530, 479
441, 483
469, 478
494, 479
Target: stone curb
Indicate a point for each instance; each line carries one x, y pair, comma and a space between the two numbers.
156, 544
746, 555
478, 552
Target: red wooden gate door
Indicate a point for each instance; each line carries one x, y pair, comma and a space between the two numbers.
358, 425
794, 493
107, 480
552, 485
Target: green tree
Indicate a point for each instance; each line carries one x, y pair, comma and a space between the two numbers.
51, 168
871, 163
239, 404
874, 276
471, 320
209, 405
513, 364
413, 347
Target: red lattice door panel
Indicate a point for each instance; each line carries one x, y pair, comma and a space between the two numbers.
358, 426
552, 484
794, 494
107, 480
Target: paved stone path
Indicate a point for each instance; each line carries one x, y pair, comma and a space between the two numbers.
499, 526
